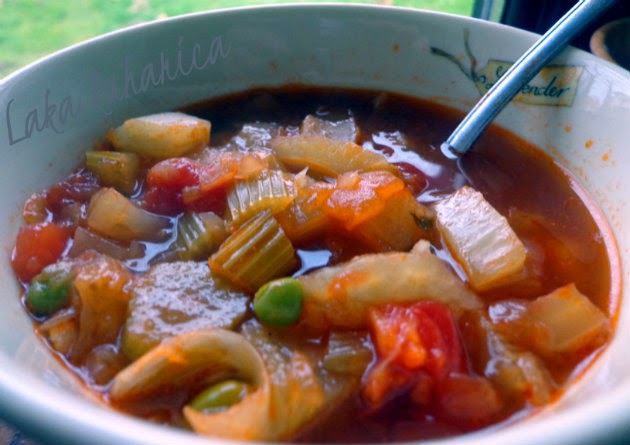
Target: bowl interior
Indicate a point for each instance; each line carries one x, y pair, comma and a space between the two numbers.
56, 108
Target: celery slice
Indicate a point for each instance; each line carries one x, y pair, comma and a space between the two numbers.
199, 235
273, 191
480, 238
114, 169
112, 215
256, 253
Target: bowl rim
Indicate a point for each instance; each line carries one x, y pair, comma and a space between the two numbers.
227, 11
35, 395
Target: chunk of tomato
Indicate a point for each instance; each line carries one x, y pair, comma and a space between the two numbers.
211, 193
165, 182
412, 342
76, 188
415, 179
441, 337
470, 401
37, 246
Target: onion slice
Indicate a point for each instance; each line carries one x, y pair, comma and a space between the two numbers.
287, 393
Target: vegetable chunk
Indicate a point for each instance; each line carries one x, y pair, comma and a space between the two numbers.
563, 321
573, 322
273, 190
101, 283
341, 130
114, 169
378, 209
178, 297
285, 392
161, 136
373, 207
515, 371
420, 338
37, 246
256, 253
339, 296
479, 238
328, 157
199, 235
112, 215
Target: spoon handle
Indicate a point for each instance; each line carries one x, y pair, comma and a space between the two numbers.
525, 68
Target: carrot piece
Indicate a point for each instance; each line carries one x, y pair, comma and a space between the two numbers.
305, 218
357, 197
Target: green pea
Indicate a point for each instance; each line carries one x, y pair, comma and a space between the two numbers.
279, 302
219, 396
48, 293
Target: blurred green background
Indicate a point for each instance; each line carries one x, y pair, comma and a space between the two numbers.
30, 29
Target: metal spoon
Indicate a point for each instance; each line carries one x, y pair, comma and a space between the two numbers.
525, 68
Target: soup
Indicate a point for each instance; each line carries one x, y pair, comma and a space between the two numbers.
304, 264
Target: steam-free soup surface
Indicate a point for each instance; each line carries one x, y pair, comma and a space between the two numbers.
306, 265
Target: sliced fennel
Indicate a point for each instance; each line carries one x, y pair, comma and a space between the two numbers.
479, 238
339, 296
112, 215
284, 392
328, 157
348, 352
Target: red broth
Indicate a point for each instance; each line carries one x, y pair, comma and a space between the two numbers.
565, 243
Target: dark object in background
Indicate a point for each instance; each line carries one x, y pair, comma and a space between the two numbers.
539, 15
612, 42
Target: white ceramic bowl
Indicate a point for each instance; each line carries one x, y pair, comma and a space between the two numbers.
52, 110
